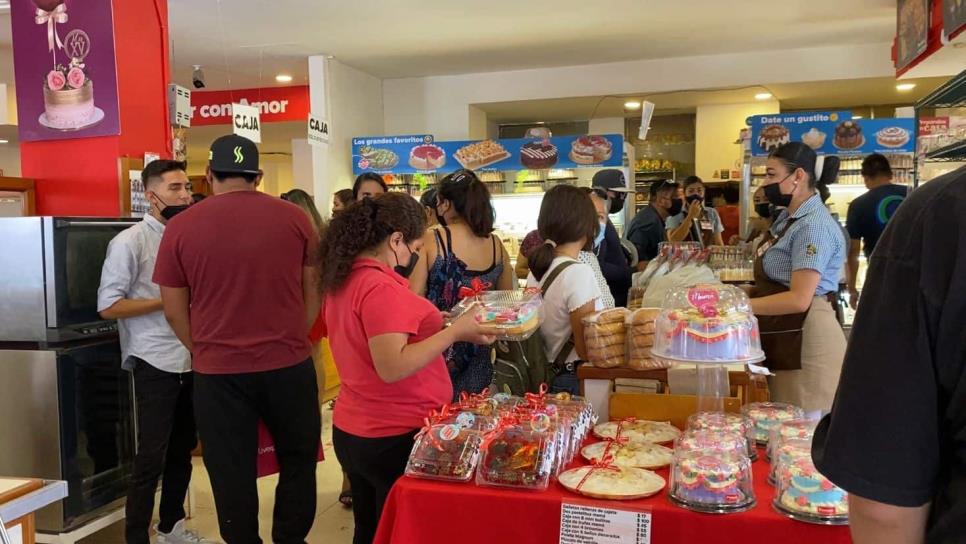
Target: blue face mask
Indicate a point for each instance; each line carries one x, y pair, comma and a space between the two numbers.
600, 234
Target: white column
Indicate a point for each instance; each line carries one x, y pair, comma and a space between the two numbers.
302, 169
310, 165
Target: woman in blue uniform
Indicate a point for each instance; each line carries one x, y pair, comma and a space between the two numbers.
797, 273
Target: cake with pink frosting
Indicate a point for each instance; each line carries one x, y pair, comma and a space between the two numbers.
68, 98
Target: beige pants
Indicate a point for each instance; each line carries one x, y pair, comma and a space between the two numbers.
823, 349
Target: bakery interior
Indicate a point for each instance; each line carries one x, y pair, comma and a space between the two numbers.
696, 73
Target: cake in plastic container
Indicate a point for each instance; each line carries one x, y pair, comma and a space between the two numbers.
707, 323
800, 429
706, 440
726, 422
790, 448
804, 494
767, 416
515, 314
445, 452
713, 483
518, 457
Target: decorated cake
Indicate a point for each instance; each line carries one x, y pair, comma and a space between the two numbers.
427, 157
726, 423
517, 456
814, 138
712, 483
538, 155
481, 154
445, 452
515, 314
848, 135
782, 455
772, 137
638, 430
767, 416
704, 440
707, 323
629, 454
605, 338
68, 99
591, 150
892, 137
806, 495
800, 429
613, 482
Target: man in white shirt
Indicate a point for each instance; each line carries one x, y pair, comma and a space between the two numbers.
159, 361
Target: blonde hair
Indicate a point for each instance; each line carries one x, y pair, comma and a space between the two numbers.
304, 200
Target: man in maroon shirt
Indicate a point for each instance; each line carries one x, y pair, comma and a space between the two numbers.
239, 284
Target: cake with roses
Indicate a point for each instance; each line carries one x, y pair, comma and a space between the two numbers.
68, 98
712, 482
768, 416
805, 494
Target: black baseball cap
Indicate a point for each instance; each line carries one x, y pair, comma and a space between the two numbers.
233, 154
611, 179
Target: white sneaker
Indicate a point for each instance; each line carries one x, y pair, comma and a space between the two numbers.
181, 535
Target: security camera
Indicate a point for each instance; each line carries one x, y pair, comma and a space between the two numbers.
198, 77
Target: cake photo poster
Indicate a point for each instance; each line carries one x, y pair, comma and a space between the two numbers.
832, 133
65, 70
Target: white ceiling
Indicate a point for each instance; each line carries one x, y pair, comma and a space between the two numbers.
250, 41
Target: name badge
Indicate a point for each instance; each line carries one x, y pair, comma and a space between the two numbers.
706, 225
764, 247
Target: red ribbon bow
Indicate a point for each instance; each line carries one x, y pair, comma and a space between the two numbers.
433, 418
620, 428
476, 288
604, 463
537, 400
618, 440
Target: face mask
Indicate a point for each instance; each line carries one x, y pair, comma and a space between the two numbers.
617, 204
406, 271
170, 211
694, 198
676, 205
763, 209
775, 195
600, 234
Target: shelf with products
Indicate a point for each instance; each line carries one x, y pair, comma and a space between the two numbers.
948, 145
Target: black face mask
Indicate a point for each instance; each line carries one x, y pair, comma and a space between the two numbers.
617, 203
676, 205
763, 210
406, 271
170, 211
694, 198
775, 196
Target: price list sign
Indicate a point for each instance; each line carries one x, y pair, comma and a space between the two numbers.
583, 524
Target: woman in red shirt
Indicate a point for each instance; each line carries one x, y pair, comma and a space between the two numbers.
388, 345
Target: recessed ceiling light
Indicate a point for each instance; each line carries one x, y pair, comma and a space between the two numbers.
632, 104
905, 86
762, 96
856, 117
283, 78
4, 141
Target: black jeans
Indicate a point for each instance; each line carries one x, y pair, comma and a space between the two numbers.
228, 408
166, 436
373, 466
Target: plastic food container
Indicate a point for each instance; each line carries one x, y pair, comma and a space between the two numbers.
804, 494
445, 452
726, 422
517, 457
712, 483
707, 323
640, 339
791, 448
605, 338
471, 420
515, 314
801, 429
705, 440
767, 416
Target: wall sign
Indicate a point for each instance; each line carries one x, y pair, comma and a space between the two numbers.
318, 130
912, 31
65, 68
585, 524
954, 17
832, 133
412, 154
274, 105
245, 122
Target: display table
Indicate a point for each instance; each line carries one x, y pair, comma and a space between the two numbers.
427, 512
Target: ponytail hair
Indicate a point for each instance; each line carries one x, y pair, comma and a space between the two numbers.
827, 170
363, 226
471, 200
567, 215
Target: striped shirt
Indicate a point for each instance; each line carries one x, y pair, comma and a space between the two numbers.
813, 242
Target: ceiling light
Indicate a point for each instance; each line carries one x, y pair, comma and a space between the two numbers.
762, 96
856, 117
632, 104
905, 87
283, 78
4, 141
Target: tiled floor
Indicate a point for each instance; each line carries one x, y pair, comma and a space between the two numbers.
333, 523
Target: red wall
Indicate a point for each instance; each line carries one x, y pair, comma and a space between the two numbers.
80, 177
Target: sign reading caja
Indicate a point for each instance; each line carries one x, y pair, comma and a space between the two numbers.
246, 122
318, 130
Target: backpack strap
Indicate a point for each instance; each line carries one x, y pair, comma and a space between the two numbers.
559, 362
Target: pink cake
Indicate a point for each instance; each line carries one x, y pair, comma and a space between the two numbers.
68, 99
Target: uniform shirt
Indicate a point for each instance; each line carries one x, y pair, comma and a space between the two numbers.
710, 221
869, 214
646, 231
126, 273
813, 242
897, 431
241, 255
368, 406
573, 288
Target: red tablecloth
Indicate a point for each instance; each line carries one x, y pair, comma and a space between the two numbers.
426, 512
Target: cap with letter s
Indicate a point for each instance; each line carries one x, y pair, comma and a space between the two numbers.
234, 154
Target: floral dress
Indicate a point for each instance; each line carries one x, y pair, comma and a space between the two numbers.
470, 366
